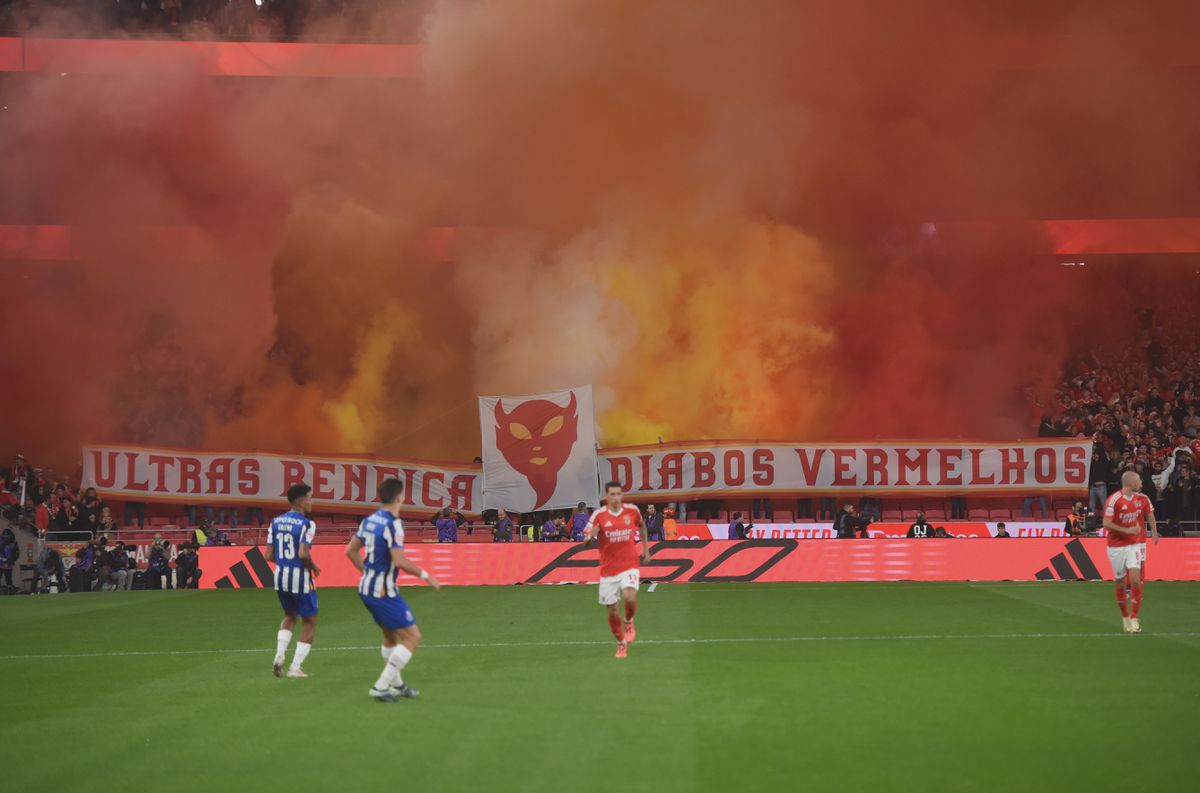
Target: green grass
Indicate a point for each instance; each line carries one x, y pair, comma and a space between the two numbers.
520, 692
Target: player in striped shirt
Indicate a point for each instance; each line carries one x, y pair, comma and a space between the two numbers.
382, 535
289, 541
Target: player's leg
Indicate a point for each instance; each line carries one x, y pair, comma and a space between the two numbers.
629, 599
616, 625
402, 636
399, 646
1116, 558
284, 637
389, 643
308, 630
630, 580
1122, 585
1135, 598
610, 598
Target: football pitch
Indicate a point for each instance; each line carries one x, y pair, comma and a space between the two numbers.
729, 687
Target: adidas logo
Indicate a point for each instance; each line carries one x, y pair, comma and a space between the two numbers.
1060, 568
241, 574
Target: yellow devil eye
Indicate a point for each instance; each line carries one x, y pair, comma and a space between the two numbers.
552, 426
519, 431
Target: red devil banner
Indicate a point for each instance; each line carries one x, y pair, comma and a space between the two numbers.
539, 451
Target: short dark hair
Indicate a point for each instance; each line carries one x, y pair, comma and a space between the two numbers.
445, 512
737, 516
390, 489
581, 505
297, 492
610, 485
1000, 525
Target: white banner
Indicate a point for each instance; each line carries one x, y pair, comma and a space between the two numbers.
715, 469
188, 476
539, 451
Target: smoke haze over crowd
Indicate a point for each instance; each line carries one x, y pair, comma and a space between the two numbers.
728, 222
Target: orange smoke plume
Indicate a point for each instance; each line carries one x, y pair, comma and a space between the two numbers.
724, 219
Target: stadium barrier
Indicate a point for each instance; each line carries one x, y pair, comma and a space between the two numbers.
962, 529
1176, 559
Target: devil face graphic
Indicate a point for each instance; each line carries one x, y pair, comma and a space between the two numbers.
536, 439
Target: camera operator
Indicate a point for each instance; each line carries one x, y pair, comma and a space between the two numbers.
158, 565
105, 567
846, 525
187, 566
1076, 523
122, 568
83, 571
49, 561
739, 529
10, 551
850, 524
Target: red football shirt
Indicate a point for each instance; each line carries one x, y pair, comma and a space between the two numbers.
1127, 512
618, 538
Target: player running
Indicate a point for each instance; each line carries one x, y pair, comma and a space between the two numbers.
289, 541
616, 527
1125, 515
382, 534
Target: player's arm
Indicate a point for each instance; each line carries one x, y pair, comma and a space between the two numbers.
404, 563
589, 532
1153, 525
306, 559
270, 553
354, 552
645, 539
1111, 526
1108, 522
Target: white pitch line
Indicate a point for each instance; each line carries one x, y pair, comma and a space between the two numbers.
593, 642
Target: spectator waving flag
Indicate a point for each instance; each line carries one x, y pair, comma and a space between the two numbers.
539, 451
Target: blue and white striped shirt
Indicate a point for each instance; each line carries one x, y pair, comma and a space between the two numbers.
379, 533
286, 534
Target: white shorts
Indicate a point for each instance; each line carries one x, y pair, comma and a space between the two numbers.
1123, 557
611, 586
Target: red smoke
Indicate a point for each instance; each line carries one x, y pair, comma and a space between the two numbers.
712, 213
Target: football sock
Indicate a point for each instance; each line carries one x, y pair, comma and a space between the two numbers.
282, 640
302, 649
399, 657
630, 609
385, 652
1135, 600
1121, 599
614, 624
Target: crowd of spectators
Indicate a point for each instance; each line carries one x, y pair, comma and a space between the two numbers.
48, 507
1141, 406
